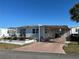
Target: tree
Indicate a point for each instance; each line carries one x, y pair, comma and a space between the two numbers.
74, 12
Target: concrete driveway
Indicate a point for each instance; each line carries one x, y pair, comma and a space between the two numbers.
43, 47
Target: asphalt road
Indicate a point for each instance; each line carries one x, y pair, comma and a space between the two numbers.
33, 55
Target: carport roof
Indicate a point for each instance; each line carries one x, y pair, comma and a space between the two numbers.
47, 26
57, 27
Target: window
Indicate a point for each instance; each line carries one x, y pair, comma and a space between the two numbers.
23, 32
36, 30
8, 32
76, 30
33, 30
46, 30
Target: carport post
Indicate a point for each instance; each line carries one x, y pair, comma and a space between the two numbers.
39, 32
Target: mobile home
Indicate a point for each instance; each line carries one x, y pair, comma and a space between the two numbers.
6, 32
41, 32
74, 30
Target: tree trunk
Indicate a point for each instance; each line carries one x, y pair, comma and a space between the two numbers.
78, 38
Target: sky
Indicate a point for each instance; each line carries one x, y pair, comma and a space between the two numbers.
15, 13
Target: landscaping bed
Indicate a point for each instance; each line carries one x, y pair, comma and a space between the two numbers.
72, 48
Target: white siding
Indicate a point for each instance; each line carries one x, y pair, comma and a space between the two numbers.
4, 32
74, 30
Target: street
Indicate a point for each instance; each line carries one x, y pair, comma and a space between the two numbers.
33, 55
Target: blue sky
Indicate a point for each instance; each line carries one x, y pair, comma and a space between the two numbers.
32, 12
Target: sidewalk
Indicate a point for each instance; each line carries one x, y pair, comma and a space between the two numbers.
17, 42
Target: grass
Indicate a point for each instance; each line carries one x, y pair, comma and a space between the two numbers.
72, 48
8, 46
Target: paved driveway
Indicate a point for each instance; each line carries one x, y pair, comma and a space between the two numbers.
43, 47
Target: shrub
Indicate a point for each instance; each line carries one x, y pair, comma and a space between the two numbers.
14, 38
21, 38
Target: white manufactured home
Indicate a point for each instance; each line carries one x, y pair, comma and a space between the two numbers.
6, 32
41, 32
74, 31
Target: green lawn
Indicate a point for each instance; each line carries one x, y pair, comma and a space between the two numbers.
72, 48
8, 46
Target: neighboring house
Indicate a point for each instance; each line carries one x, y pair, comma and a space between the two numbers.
74, 31
73, 34
6, 32
41, 32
